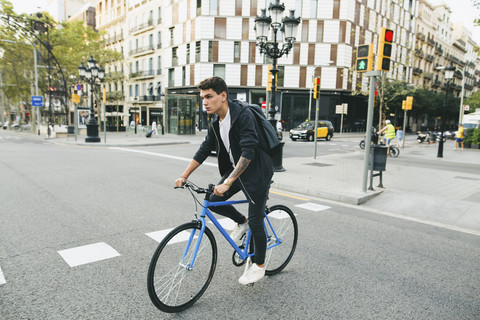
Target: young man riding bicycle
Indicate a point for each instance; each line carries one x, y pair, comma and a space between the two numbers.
390, 134
242, 163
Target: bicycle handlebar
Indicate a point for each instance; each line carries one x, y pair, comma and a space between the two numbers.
196, 188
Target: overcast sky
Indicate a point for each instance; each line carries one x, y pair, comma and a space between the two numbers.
462, 11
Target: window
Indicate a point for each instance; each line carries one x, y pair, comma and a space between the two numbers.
130, 91
219, 70
171, 77
213, 7
188, 53
150, 66
174, 56
159, 65
213, 51
298, 7
197, 51
171, 30
313, 8
220, 28
236, 52
199, 7
159, 15
150, 42
159, 40
184, 75
136, 90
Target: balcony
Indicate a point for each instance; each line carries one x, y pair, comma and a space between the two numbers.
142, 50
417, 71
114, 38
428, 75
436, 84
429, 58
430, 42
142, 74
468, 87
146, 98
438, 50
142, 27
419, 53
420, 36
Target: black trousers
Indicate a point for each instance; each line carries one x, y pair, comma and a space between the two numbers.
256, 208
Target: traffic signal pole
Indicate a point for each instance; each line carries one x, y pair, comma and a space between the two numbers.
368, 132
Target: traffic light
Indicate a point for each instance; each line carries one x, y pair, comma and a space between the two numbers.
364, 57
316, 88
384, 53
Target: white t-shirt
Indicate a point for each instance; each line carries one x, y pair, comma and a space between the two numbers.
224, 130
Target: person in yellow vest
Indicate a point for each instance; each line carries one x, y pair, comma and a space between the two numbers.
390, 134
459, 137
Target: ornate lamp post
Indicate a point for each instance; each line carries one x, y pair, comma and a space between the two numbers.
91, 73
288, 27
449, 72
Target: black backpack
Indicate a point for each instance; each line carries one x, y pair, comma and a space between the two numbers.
268, 131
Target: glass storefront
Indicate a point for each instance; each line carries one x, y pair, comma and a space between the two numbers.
181, 111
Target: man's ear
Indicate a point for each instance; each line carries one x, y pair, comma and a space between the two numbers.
224, 96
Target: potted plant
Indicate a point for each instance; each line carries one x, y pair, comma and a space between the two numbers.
467, 141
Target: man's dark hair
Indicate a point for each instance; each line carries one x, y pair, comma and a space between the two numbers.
217, 84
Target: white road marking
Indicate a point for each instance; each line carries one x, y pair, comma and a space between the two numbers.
226, 223
162, 155
2, 277
87, 254
312, 206
161, 234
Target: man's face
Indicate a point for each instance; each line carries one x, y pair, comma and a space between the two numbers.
212, 101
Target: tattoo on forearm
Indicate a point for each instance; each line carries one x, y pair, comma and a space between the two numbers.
240, 167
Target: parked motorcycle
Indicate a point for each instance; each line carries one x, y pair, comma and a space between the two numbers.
430, 137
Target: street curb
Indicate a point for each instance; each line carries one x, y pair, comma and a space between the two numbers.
350, 197
118, 145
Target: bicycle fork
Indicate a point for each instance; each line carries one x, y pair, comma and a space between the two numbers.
189, 265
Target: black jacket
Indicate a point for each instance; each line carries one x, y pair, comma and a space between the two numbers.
244, 141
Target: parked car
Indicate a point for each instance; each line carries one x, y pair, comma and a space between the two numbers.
305, 131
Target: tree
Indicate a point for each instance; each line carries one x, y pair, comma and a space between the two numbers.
61, 48
473, 101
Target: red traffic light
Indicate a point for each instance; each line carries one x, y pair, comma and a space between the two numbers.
389, 35
317, 80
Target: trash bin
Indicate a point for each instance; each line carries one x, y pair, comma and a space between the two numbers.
378, 158
70, 129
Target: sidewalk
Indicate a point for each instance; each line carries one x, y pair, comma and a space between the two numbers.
416, 184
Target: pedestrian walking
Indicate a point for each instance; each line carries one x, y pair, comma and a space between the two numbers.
154, 127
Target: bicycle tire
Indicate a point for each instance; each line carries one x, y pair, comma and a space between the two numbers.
362, 144
285, 226
172, 287
394, 151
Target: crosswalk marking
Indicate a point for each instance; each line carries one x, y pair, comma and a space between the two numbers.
226, 223
88, 253
312, 206
2, 277
161, 234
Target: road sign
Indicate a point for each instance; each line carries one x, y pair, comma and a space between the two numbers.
467, 107
75, 98
37, 101
264, 104
79, 87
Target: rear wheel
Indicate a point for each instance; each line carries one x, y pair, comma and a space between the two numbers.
310, 137
282, 233
173, 283
394, 151
329, 137
362, 144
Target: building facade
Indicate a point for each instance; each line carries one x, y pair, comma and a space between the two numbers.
169, 46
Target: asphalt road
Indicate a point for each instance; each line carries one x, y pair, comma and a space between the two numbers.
349, 264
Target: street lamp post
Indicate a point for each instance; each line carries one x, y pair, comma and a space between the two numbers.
462, 93
90, 74
288, 27
449, 72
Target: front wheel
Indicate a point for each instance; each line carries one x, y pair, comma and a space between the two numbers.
329, 137
174, 284
282, 233
362, 144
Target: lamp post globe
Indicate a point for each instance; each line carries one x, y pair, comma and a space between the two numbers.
91, 74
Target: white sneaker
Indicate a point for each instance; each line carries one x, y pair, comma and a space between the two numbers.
239, 231
253, 274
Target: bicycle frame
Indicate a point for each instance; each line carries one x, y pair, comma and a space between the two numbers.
207, 213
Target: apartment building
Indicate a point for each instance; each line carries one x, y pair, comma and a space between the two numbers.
441, 43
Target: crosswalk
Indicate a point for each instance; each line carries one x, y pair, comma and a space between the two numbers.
95, 252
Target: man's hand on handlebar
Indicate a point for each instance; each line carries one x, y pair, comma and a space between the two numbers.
180, 182
221, 189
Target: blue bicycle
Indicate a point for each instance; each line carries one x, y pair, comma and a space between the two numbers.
183, 265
